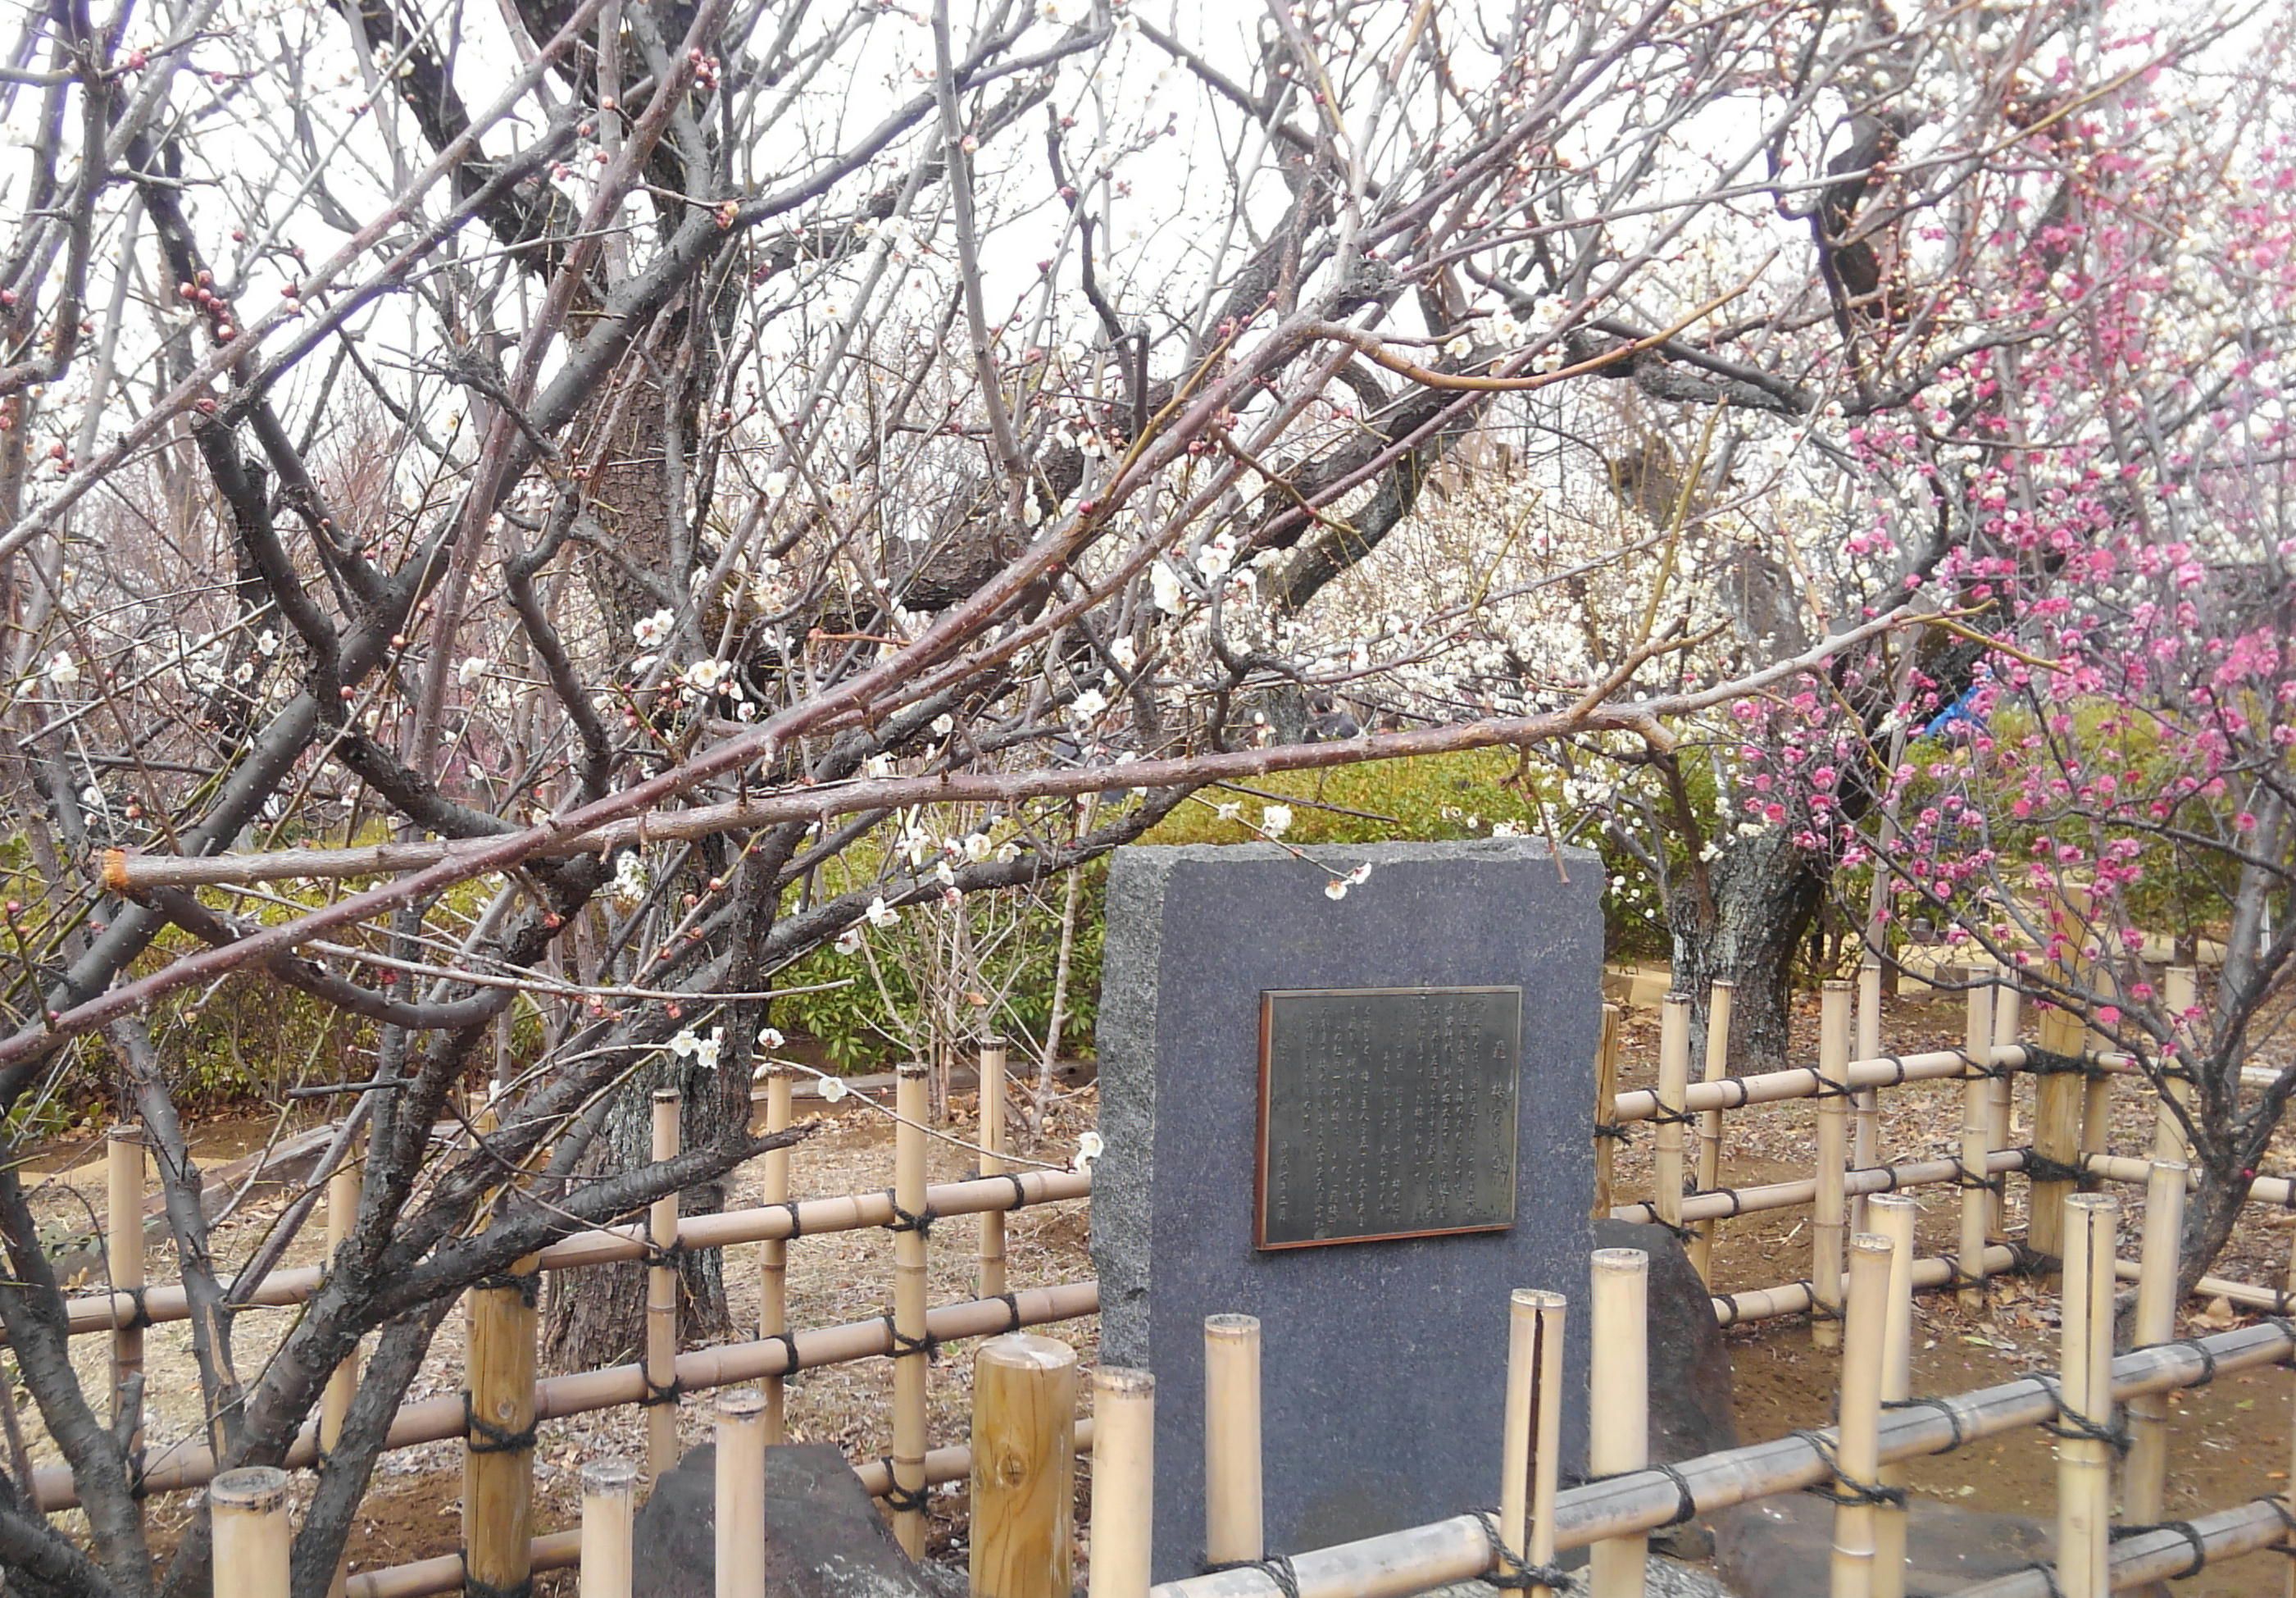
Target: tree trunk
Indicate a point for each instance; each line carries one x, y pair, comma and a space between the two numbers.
1764, 892
597, 1317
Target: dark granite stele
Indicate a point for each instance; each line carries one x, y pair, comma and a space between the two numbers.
1384, 1363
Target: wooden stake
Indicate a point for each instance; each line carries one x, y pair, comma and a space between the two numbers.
2145, 1478
2180, 990
1865, 1128
1232, 1530
2056, 1134
1830, 1213
1618, 1434
910, 1348
1024, 1390
1123, 1481
661, 1300
123, 1244
2084, 1376
1893, 1215
608, 1508
740, 1502
1718, 1000
1858, 1450
773, 1254
498, 1447
1606, 1103
992, 1143
1531, 1445
248, 1511
342, 1213
1673, 1086
1976, 1133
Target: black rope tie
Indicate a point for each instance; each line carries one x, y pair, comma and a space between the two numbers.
1509, 1573
2040, 1167
921, 1222
2287, 1543
670, 1254
797, 1220
903, 1500
2207, 1356
140, 1317
1685, 1503
1012, 1303
1276, 1568
790, 1364
1828, 1087
1020, 1199
2182, 1528
2068, 1424
483, 1436
1959, 1278
906, 1347
2047, 1572
1663, 1117
1897, 1071
1617, 1130
1846, 1488
525, 1284
1952, 1416
473, 1587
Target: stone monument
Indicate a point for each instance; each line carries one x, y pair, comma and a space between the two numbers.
1363, 1116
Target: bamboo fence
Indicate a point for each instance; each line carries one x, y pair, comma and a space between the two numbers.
1863, 1272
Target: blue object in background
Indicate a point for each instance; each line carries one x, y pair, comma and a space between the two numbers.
1956, 713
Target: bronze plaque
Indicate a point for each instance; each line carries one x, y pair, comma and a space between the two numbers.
1386, 1113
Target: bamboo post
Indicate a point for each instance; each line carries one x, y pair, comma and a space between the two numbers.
2057, 1132
773, 1254
247, 1511
2085, 1375
661, 1300
2181, 990
609, 1510
1673, 1087
1531, 1444
911, 1346
1024, 1391
1619, 1435
1893, 1215
992, 1164
1718, 1000
498, 1444
1865, 1128
124, 1164
2000, 1105
1976, 1146
342, 1213
740, 1496
1830, 1212
2096, 1092
1607, 1132
2145, 1479
1858, 1447
1233, 1533
1123, 1481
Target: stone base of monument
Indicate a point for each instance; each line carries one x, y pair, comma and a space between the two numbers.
1664, 1579
824, 1537
1782, 1547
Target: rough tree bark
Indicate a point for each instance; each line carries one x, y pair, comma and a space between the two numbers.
1745, 930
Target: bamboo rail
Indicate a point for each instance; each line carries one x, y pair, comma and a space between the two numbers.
2162, 1554
1800, 1190
94, 1313
190, 1464
1803, 1082
1459, 1549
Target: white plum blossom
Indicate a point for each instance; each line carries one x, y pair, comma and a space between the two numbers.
631, 878
1506, 829
1274, 820
882, 914
833, 1089
1229, 811
944, 724
1124, 653
708, 676
770, 1037
266, 642
849, 942
1337, 888
1164, 585
1089, 1148
63, 670
1087, 705
976, 846
474, 667
653, 632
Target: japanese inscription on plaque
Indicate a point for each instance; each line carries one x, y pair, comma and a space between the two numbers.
1386, 1113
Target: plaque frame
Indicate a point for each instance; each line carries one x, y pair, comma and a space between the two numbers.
1267, 1004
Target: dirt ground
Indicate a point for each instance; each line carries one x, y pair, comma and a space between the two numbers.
2231, 1440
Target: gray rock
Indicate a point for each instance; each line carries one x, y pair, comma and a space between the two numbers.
824, 1537
1382, 1361
1782, 1547
1665, 1578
